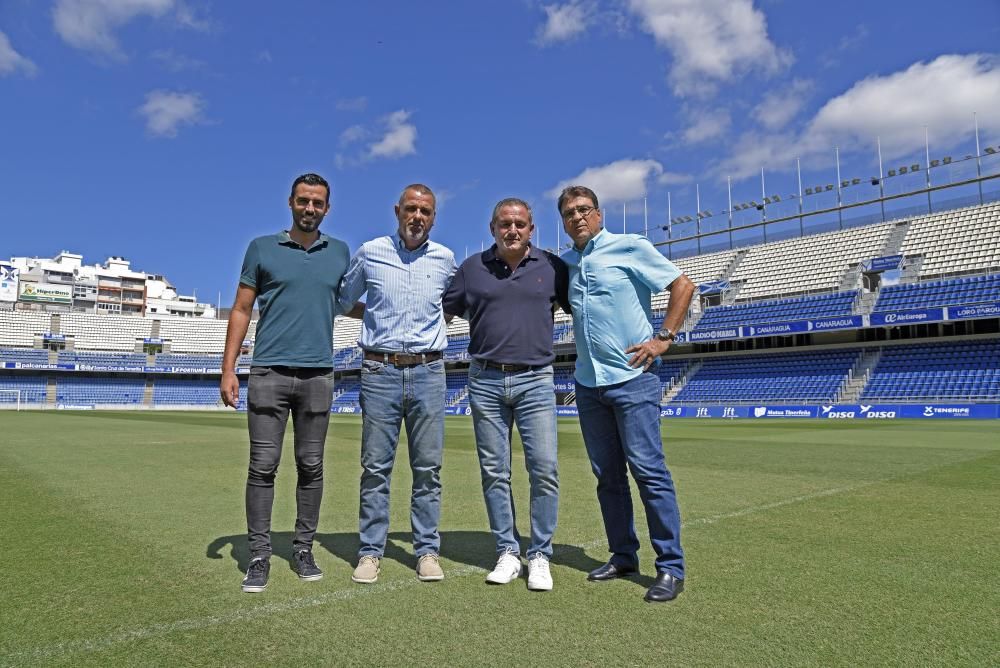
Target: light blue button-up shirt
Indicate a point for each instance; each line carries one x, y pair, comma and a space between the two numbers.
403, 307
611, 282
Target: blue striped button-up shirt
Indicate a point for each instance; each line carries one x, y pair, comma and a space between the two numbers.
611, 283
403, 307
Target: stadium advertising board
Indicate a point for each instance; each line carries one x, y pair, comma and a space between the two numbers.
715, 334
909, 317
909, 411
845, 322
46, 293
837, 411
887, 263
9, 275
991, 310
713, 287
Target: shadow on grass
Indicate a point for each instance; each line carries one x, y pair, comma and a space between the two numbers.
473, 548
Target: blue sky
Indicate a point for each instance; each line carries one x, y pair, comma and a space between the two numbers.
169, 131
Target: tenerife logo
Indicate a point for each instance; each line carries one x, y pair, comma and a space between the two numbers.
928, 411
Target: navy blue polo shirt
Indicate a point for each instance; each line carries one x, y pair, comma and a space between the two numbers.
296, 296
509, 312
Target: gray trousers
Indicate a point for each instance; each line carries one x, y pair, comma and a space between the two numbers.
273, 393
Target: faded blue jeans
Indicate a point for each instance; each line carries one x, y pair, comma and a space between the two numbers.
390, 397
621, 428
499, 400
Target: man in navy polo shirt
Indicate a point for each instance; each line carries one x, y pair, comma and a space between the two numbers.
293, 276
509, 293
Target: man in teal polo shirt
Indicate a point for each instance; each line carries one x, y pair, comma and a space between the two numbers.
293, 276
612, 278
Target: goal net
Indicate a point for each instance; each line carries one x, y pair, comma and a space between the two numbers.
10, 399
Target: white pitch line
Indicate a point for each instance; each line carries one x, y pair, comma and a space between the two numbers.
268, 609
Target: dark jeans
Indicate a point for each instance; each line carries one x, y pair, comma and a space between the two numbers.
272, 394
621, 427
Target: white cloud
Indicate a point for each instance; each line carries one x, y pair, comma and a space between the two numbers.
711, 41
566, 21
706, 125
166, 111
941, 94
399, 139
780, 106
352, 104
11, 61
353, 134
618, 181
90, 24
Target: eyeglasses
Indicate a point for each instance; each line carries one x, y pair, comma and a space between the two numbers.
584, 211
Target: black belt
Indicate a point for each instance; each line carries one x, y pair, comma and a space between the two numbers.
402, 359
510, 368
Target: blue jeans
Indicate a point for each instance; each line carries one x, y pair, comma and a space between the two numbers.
499, 400
389, 397
273, 394
621, 426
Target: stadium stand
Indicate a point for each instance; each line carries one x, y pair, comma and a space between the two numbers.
19, 328
24, 355
32, 389
936, 371
180, 392
958, 241
951, 258
105, 332
806, 264
929, 294
102, 359
707, 267
194, 335
189, 361
346, 391
783, 377
456, 387
778, 310
95, 391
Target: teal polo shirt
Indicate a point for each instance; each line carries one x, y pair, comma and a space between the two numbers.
296, 297
611, 283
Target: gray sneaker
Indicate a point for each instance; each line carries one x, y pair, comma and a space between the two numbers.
429, 568
367, 570
305, 566
255, 580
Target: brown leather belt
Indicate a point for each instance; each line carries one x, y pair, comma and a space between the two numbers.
510, 368
402, 359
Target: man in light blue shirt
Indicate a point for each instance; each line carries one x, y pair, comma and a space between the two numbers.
611, 280
402, 377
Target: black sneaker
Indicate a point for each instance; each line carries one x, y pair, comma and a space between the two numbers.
256, 577
305, 566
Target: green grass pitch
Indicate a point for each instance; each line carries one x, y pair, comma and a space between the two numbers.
809, 543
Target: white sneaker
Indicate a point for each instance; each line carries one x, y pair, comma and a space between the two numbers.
539, 577
507, 570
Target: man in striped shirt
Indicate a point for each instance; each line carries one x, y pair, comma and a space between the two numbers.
402, 376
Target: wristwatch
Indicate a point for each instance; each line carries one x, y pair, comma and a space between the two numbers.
666, 334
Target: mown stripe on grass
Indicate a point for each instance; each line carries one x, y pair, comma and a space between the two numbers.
269, 609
